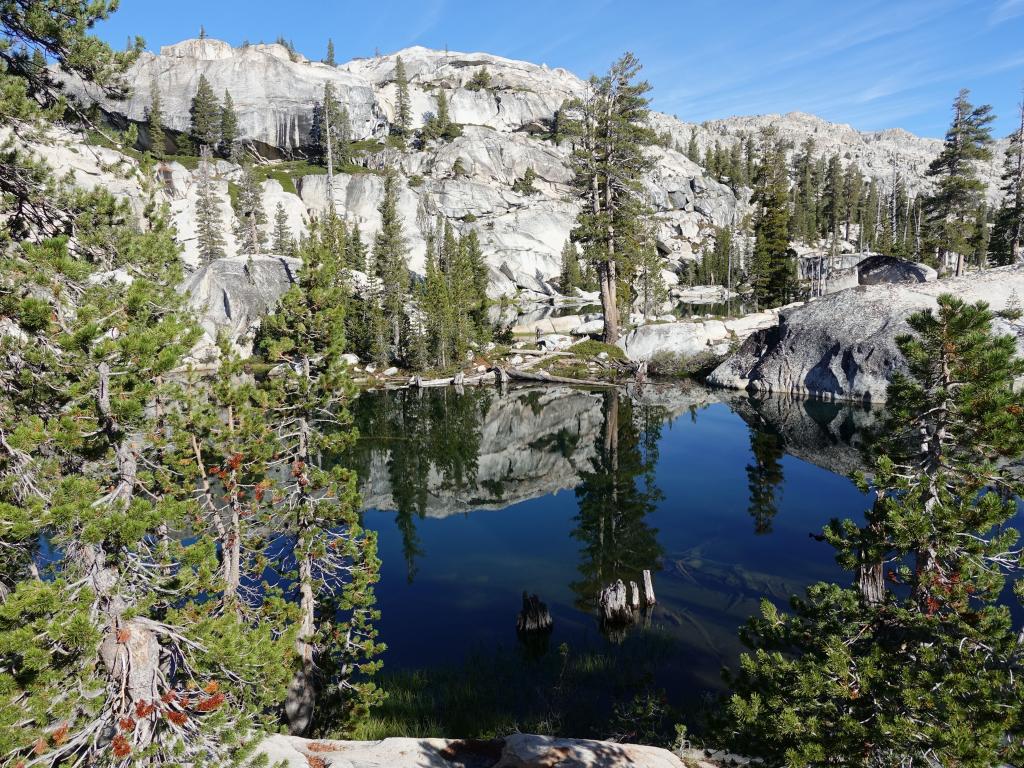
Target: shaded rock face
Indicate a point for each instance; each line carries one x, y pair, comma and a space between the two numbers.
521, 750
843, 346
888, 269
231, 295
831, 435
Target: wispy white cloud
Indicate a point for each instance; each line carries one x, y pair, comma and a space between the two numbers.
1006, 10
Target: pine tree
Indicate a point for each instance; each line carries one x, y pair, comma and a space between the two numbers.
250, 229
206, 116
610, 134
480, 81
209, 222
228, 128
949, 212
692, 150
570, 276
283, 242
155, 123
833, 207
356, 250
772, 267
330, 113
390, 268
440, 125
331, 560
525, 185
1008, 237
403, 108
853, 186
329, 61
803, 224
916, 661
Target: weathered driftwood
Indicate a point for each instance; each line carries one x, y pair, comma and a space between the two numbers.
519, 374
649, 598
534, 617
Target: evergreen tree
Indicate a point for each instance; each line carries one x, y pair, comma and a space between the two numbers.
480, 81
764, 477
716, 267
228, 128
916, 661
356, 250
329, 559
390, 269
950, 211
403, 108
250, 229
155, 123
772, 265
692, 150
206, 116
440, 125
283, 242
609, 131
329, 61
570, 276
1008, 237
833, 207
209, 221
331, 119
803, 224
853, 185
525, 185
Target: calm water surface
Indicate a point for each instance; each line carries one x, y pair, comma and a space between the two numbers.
479, 496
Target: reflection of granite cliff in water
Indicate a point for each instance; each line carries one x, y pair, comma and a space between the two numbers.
828, 434
524, 444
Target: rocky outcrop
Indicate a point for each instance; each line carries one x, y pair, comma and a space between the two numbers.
690, 339
888, 269
843, 346
231, 295
520, 750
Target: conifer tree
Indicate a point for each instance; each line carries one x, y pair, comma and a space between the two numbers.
803, 224
610, 134
209, 221
356, 250
283, 241
772, 268
329, 61
330, 559
853, 185
330, 114
1008, 237
250, 229
692, 150
525, 185
206, 116
403, 107
480, 81
950, 211
390, 268
155, 123
440, 125
570, 276
228, 128
916, 661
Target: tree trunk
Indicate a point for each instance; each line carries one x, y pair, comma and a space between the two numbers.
609, 303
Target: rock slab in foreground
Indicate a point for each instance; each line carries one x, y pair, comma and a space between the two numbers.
517, 751
843, 346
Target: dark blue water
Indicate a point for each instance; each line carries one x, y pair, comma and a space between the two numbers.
478, 497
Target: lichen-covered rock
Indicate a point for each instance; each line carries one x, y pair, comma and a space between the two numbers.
843, 346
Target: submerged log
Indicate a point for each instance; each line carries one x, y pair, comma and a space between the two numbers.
520, 375
534, 617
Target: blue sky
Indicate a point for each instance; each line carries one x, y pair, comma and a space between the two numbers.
871, 63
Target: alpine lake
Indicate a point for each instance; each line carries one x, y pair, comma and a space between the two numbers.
478, 496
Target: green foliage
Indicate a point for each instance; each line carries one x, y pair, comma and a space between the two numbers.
480, 81
250, 229
228, 128
283, 242
949, 211
209, 216
1007, 245
330, 119
329, 59
154, 124
610, 133
403, 108
773, 267
439, 126
917, 660
525, 184
206, 116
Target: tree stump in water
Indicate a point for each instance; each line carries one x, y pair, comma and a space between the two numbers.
534, 617
614, 604
621, 607
649, 598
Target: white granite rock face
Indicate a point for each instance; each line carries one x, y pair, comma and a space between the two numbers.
843, 346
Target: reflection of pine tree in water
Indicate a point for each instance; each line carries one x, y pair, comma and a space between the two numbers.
764, 477
615, 498
427, 434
